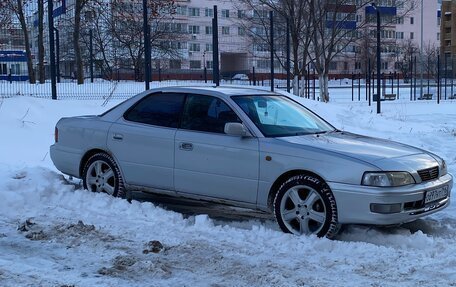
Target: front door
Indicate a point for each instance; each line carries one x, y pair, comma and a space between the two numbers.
207, 161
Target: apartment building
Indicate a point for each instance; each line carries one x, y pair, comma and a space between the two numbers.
448, 35
403, 25
192, 24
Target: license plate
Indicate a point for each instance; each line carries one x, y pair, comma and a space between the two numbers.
436, 194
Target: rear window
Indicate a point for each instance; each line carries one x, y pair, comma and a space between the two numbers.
162, 109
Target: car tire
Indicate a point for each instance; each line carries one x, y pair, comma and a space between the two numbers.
304, 204
101, 174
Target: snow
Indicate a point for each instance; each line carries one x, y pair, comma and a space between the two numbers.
74, 237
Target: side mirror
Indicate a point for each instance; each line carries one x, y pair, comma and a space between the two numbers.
236, 129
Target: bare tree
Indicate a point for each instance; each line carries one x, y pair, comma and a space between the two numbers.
126, 27
333, 34
430, 61
404, 58
78, 8
296, 12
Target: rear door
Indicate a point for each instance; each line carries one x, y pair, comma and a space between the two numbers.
209, 162
142, 141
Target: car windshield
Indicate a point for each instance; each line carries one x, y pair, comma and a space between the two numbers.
279, 116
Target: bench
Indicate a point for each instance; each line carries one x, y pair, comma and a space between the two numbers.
453, 97
425, 97
389, 97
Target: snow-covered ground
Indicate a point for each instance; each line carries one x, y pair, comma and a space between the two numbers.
52, 233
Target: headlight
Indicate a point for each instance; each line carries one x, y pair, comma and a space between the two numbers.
387, 178
443, 168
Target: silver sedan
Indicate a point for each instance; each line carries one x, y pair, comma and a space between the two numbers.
254, 149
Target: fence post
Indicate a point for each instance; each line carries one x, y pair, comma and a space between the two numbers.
438, 78
353, 86
368, 79
445, 79
288, 57
147, 53
51, 49
205, 74
411, 76
57, 45
359, 86
91, 55
10, 76
414, 80
314, 86
215, 49
254, 76
271, 33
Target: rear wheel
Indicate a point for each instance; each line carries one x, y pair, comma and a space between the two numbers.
304, 204
101, 174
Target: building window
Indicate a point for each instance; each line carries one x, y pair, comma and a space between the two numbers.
195, 64
263, 64
209, 64
357, 66
438, 36
384, 65
225, 13
241, 14
194, 47
208, 30
225, 30
412, 20
208, 47
241, 31
193, 12
412, 35
208, 12
333, 66
181, 10
175, 64
193, 29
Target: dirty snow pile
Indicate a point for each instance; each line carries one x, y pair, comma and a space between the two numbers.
53, 233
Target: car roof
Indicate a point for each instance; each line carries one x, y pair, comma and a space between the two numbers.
223, 91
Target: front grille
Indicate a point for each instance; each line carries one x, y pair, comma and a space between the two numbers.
429, 173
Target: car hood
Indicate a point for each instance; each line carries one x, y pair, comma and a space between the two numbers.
372, 150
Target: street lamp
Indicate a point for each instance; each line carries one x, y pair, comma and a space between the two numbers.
377, 9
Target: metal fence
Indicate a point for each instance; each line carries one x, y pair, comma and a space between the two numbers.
192, 45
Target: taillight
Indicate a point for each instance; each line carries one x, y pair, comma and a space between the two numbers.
56, 135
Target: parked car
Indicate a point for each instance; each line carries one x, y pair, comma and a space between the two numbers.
255, 149
241, 77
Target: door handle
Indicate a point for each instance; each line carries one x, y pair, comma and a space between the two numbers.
118, 137
186, 146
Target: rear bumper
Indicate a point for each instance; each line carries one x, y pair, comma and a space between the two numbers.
354, 201
67, 161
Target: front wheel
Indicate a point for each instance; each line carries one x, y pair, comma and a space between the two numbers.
101, 174
304, 204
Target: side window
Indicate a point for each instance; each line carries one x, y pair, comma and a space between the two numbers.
158, 110
207, 114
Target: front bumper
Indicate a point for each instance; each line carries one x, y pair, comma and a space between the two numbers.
353, 201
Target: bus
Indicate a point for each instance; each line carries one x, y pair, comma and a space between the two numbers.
13, 66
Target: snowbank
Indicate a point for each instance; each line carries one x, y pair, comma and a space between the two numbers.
79, 238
